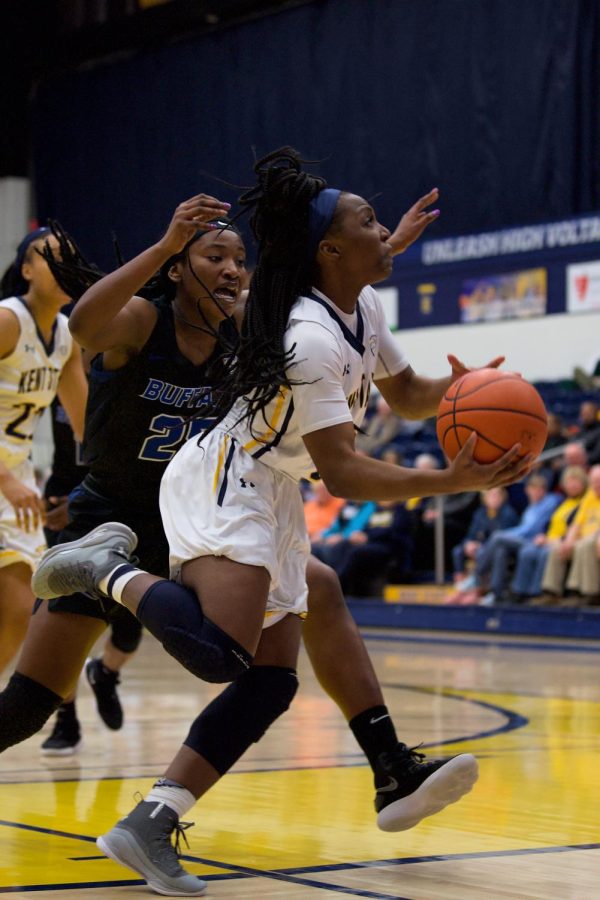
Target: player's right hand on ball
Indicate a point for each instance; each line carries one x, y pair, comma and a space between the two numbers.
472, 475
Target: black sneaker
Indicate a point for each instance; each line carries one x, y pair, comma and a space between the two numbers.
65, 739
104, 683
417, 787
142, 842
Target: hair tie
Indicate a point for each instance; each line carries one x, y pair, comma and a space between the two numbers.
320, 214
25, 244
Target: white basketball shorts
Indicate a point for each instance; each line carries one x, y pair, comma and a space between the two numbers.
216, 500
17, 545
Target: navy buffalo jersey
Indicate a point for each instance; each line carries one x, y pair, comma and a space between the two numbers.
139, 416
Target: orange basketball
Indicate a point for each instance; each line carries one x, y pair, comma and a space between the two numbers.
501, 407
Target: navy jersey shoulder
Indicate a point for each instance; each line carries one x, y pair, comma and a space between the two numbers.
139, 416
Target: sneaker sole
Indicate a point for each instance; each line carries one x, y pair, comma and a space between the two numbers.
95, 537
120, 846
447, 785
66, 751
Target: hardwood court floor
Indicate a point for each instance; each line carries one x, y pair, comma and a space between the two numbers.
294, 819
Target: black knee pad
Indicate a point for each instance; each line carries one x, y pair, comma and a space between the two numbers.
241, 714
126, 630
209, 653
25, 706
172, 613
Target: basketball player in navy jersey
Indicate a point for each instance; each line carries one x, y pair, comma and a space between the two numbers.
240, 513
147, 376
102, 673
38, 361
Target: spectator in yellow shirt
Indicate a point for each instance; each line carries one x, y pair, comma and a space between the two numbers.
577, 553
533, 556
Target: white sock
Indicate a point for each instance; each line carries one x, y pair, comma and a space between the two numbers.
173, 795
114, 583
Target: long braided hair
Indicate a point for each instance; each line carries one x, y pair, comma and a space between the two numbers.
278, 205
73, 273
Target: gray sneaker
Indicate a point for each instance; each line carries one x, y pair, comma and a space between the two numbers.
142, 842
78, 566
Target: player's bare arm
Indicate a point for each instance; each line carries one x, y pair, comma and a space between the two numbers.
109, 316
354, 477
9, 332
415, 396
73, 391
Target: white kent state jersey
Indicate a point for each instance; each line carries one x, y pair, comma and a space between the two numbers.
336, 355
28, 380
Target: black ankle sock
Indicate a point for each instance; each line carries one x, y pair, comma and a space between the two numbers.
375, 733
67, 710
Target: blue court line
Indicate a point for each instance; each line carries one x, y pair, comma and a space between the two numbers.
52, 831
290, 875
235, 871
447, 857
513, 721
304, 882
510, 645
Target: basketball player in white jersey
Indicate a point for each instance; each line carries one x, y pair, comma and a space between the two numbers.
313, 339
38, 360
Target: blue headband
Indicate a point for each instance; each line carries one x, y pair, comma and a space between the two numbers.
320, 213
26, 244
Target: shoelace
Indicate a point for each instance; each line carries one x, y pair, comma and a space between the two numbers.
406, 756
180, 830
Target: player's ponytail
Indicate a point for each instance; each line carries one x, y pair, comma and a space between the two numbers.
279, 217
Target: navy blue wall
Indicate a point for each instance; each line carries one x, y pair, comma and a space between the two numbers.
494, 101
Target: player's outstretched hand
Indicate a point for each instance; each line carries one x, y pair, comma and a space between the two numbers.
470, 475
414, 222
189, 217
459, 368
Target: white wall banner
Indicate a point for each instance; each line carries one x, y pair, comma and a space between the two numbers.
583, 287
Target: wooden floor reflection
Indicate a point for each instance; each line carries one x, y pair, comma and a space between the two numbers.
295, 819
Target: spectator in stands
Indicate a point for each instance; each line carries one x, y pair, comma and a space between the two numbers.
320, 510
533, 555
493, 513
489, 582
557, 435
588, 381
392, 455
588, 429
383, 427
588, 421
457, 511
577, 553
574, 454
363, 558
351, 517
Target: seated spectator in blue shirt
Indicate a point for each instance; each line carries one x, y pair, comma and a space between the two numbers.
494, 556
493, 513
